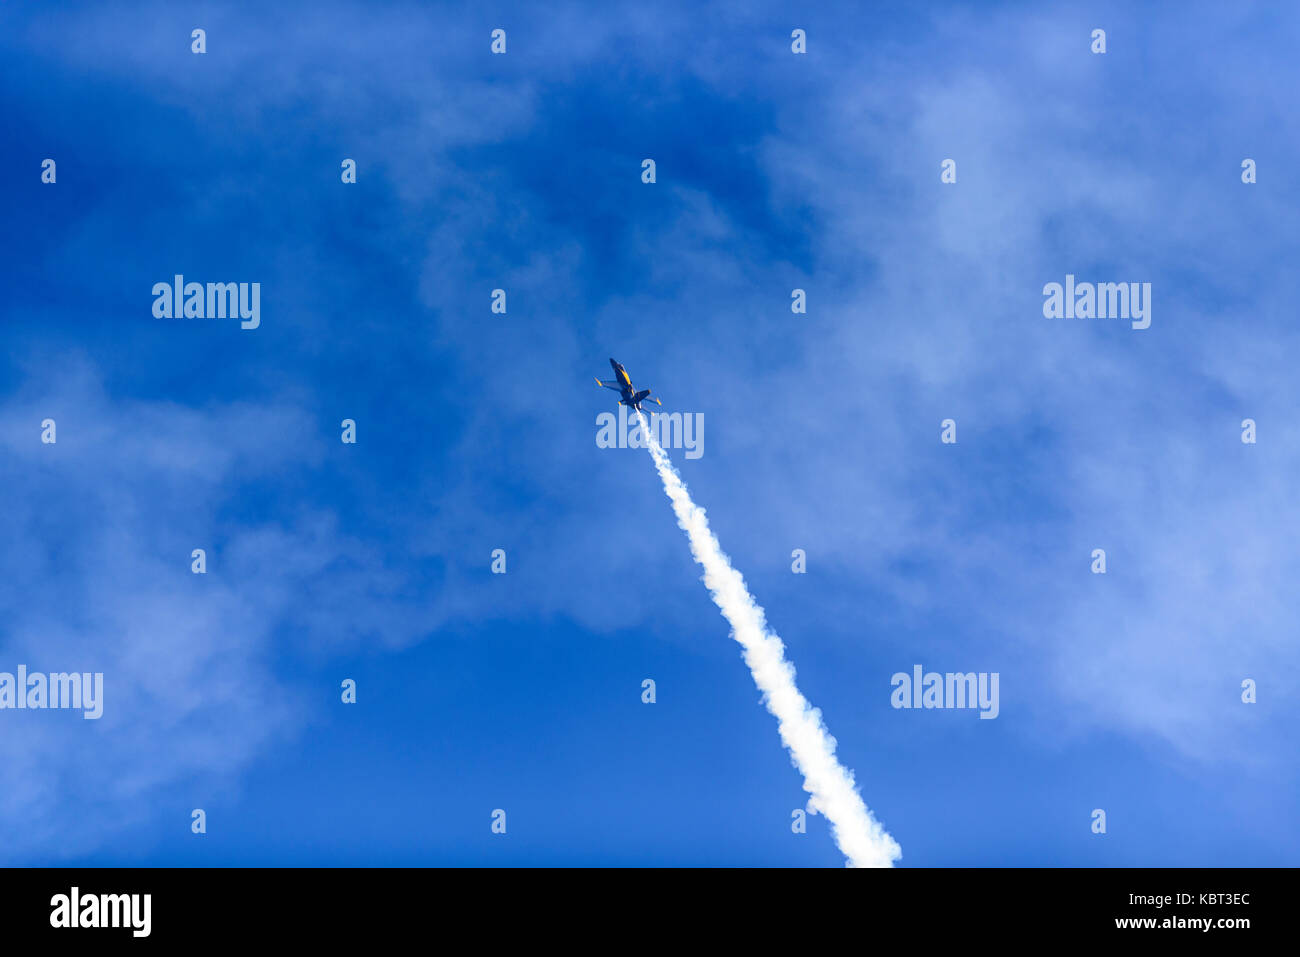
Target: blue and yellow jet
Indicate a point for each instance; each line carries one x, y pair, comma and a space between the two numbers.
623, 385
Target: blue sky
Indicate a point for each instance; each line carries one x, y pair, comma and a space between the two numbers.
476, 431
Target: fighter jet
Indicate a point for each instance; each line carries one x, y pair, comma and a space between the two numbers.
623, 385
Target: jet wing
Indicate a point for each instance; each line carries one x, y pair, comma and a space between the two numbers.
609, 384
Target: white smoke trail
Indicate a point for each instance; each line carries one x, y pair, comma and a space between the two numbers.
859, 835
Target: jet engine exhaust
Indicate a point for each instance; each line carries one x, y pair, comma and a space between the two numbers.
861, 838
